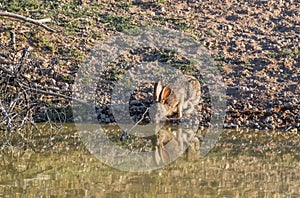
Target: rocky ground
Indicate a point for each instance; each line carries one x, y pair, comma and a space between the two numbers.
255, 45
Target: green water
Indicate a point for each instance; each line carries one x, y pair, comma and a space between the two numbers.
227, 171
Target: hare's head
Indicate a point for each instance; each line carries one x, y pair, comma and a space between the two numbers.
165, 98
158, 113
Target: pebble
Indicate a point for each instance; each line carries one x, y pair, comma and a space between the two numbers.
229, 27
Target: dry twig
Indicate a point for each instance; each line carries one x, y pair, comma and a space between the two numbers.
30, 20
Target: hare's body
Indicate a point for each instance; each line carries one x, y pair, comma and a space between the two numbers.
179, 97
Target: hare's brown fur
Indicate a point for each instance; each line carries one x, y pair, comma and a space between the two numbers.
183, 94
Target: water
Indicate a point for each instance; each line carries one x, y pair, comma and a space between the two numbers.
232, 169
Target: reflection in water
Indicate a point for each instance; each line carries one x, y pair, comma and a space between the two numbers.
243, 164
79, 174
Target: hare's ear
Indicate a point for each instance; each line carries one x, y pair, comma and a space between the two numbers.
157, 91
165, 93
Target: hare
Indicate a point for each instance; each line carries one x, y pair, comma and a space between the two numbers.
178, 97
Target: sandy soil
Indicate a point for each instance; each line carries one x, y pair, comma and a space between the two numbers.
255, 44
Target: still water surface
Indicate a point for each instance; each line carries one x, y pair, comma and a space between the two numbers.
222, 173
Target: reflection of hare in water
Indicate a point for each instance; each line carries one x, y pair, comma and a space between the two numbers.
172, 142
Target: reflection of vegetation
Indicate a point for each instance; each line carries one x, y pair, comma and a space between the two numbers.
257, 143
60, 171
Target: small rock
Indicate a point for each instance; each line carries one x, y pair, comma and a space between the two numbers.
135, 102
294, 130
229, 27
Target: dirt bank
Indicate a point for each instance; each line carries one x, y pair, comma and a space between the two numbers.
255, 45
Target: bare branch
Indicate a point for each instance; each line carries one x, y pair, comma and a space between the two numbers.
6, 116
125, 133
50, 93
30, 20
40, 89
